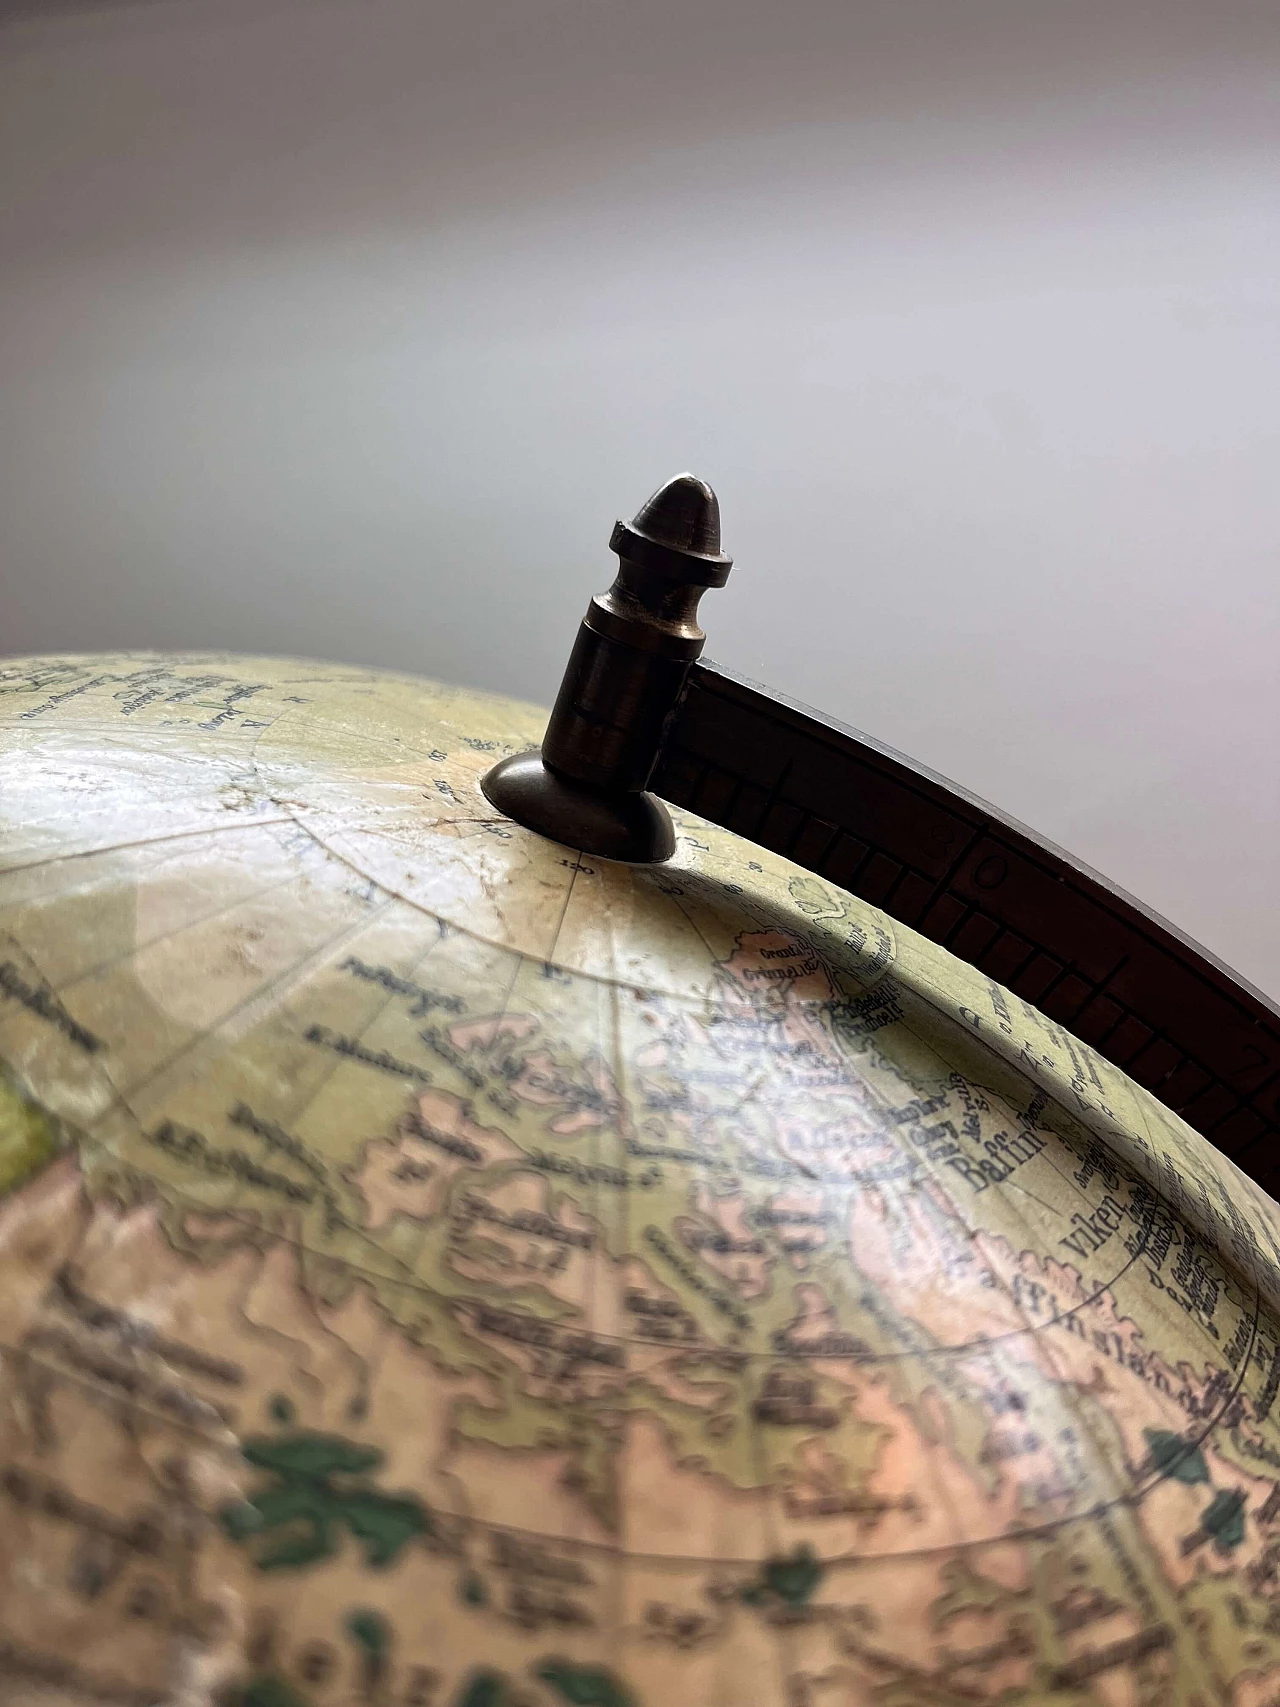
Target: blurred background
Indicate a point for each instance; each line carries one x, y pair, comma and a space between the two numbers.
345, 328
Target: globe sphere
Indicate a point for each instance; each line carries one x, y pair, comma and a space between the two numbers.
443, 1270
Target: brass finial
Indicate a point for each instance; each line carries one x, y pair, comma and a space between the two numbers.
585, 787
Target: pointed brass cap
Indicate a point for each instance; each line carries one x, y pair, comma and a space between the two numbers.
677, 533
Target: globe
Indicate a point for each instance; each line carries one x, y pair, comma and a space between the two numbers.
443, 1270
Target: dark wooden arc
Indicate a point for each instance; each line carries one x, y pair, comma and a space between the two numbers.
990, 891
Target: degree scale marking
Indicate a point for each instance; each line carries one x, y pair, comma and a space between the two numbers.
991, 893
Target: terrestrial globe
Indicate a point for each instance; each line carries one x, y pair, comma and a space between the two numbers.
444, 1270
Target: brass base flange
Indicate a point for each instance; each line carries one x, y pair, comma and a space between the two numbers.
633, 828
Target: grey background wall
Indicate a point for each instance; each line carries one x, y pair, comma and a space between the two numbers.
346, 329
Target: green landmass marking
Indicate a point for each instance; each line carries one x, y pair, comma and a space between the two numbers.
370, 1630
1223, 1521
269, 1691
298, 1518
1174, 1456
484, 1689
28, 1136
578, 1685
790, 1578
584, 1686
471, 1589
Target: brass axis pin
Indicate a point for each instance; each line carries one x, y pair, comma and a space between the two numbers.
586, 786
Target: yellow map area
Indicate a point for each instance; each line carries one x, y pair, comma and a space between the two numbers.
441, 1270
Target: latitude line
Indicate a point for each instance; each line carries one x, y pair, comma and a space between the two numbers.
1131, 1499
143, 842
291, 1121
169, 936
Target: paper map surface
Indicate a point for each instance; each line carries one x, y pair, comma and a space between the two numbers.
441, 1270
